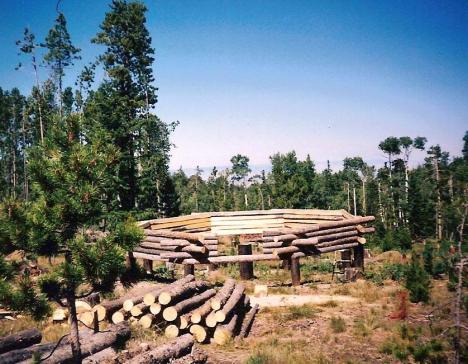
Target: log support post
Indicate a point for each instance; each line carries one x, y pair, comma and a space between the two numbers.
245, 268
346, 258
295, 271
148, 266
358, 256
189, 269
95, 322
130, 261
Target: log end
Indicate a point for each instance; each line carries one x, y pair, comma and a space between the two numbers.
199, 333
220, 316
170, 314
101, 312
221, 336
164, 298
171, 331
155, 308
118, 317
195, 318
210, 320
146, 321
149, 299
127, 305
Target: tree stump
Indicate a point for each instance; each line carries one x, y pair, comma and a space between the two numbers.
245, 268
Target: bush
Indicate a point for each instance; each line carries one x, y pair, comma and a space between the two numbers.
417, 280
337, 324
397, 239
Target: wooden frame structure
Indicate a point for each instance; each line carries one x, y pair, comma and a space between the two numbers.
278, 234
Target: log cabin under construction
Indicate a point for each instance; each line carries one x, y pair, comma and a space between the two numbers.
277, 234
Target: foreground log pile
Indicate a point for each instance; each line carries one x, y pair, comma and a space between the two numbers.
187, 306
166, 245
27, 347
187, 310
316, 239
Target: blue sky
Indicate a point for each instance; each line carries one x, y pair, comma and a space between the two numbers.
328, 78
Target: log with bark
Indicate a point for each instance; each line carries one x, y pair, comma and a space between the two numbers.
223, 295
197, 356
21, 339
231, 303
165, 353
247, 322
338, 247
231, 259
224, 333
180, 292
330, 231
152, 296
173, 312
95, 343
196, 238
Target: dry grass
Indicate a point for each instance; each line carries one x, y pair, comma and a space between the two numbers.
365, 290
337, 324
295, 351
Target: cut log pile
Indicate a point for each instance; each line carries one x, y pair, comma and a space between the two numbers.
187, 306
174, 246
315, 239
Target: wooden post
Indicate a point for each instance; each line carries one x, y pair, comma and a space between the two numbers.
245, 268
295, 271
148, 266
346, 258
358, 256
130, 260
189, 269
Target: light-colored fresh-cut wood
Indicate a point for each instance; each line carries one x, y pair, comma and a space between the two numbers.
120, 316
171, 331
194, 249
155, 308
199, 333
210, 320
176, 242
138, 310
224, 333
146, 321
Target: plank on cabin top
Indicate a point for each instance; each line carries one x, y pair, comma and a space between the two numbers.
190, 224
247, 217
248, 223
180, 218
317, 217
238, 231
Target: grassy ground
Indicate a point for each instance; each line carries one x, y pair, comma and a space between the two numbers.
358, 331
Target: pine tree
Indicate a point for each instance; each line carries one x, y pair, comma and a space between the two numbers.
68, 179
61, 54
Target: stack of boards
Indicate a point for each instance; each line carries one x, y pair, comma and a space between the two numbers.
187, 306
245, 222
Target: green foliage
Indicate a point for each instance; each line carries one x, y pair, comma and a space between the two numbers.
397, 239
319, 265
395, 272
417, 280
24, 298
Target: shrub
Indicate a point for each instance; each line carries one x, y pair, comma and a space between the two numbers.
337, 324
417, 281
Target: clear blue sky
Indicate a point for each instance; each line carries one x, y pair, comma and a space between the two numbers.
329, 78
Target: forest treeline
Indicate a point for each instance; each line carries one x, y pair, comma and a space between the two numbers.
115, 118
421, 202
